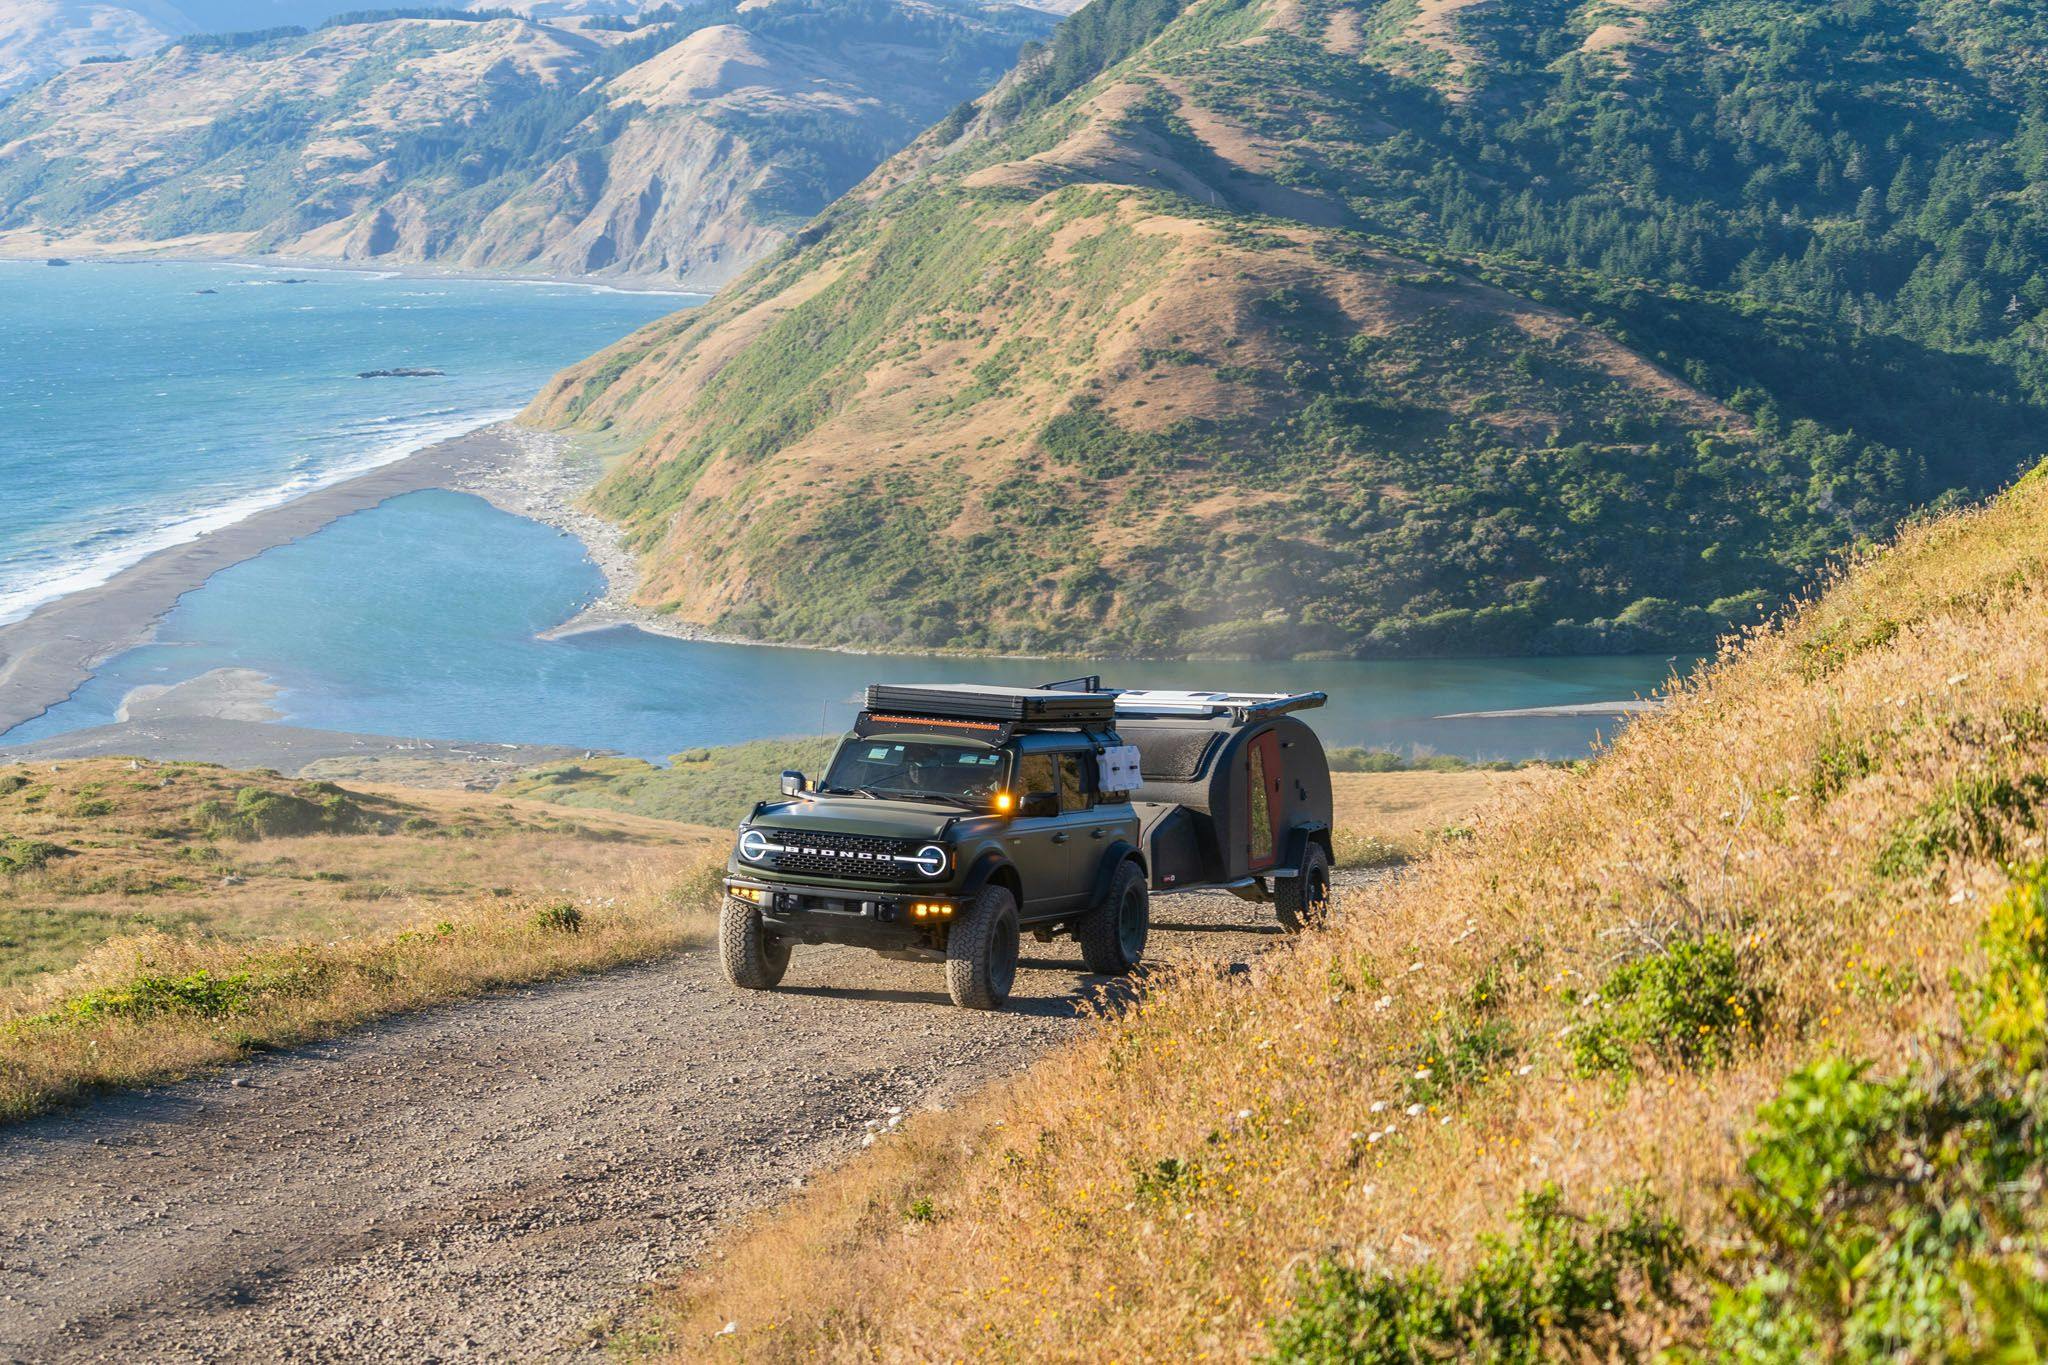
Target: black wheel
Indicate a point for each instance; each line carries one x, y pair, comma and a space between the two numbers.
753, 958
1113, 936
1303, 901
981, 952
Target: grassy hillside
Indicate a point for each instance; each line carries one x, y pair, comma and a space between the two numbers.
1288, 327
701, 786
1734, 1039
683, 146
156, 917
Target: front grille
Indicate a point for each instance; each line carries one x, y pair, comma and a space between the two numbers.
862, 857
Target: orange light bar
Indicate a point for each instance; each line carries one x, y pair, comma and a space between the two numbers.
935, 720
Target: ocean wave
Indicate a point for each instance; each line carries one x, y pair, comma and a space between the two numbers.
95, 566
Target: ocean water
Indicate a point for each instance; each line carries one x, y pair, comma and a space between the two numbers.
144, 404
424, 617
135, 410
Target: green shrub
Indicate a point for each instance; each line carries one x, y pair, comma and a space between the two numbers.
259, 812
1687, 1006
149, 994
1974, 814
559, 917
1900, 1217
1558, 1289
1457, 1057
26, 855
91, 807
1839, 762
1867, 1199
1166, 1181
2008, 1004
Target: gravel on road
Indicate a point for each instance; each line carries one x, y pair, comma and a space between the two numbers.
494, 1179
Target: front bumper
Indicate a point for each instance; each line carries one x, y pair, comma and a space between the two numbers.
866, 918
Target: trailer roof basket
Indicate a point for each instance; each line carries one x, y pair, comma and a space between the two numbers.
1008, 706
1241, 707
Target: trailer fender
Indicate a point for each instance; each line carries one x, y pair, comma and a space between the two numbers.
1113, 857
1298, 840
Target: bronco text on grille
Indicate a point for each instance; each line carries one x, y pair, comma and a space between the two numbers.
847, 855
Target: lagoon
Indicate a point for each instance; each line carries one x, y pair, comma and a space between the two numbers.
428, 615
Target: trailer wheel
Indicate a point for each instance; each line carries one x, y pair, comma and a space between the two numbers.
754, 959
981, 951
1113, 935
1303, 901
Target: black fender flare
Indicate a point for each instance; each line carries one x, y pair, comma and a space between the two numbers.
1298, 840
980, 871
1114, 857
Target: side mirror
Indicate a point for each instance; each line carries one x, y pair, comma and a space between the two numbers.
793, 783
1039, 805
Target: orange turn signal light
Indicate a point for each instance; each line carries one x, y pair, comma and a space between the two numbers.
1005, 803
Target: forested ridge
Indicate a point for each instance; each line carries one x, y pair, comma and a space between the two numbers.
1302, 327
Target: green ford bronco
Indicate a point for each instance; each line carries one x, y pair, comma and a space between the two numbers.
955, 817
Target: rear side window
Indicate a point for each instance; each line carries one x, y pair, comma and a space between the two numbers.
1077, 789
1035, 774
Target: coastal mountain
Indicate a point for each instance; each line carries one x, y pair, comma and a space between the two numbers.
682, 146
41, 37
1288, 327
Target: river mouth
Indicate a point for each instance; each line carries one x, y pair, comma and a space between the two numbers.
433, 614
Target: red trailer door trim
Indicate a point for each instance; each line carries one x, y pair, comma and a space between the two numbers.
1262, 809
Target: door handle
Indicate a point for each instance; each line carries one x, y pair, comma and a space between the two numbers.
1097, 833
1061, 837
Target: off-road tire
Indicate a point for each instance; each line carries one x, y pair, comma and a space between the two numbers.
754, 959
1112, 937
1303, 901
981, 951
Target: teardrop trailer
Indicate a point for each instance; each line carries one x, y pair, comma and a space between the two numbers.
953, 818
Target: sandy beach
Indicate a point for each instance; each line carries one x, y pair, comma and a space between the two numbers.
47, 655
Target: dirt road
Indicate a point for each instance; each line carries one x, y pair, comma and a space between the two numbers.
491, 1180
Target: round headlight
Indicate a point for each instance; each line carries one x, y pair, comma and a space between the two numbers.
930, 860
753, 845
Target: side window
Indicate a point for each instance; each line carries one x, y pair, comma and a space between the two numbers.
1077, 792
1260, 814
1035, 774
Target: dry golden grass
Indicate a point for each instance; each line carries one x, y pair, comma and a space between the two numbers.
135, 857
1391, 817
417, 897
1760, 804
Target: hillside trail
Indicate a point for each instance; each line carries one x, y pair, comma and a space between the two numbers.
496, 1179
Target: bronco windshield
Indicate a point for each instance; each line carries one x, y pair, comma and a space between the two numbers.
943, 769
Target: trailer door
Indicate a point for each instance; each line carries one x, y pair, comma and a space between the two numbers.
1262, 808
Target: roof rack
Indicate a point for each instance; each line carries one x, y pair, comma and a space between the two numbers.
1013, 706
1241, 707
